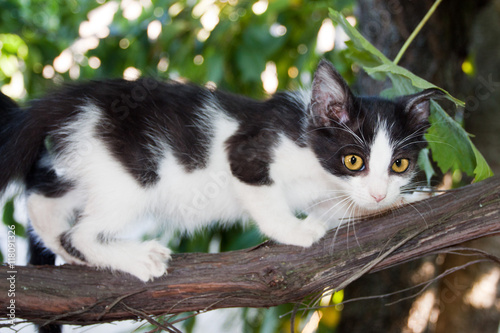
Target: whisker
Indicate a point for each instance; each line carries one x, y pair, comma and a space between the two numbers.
421, 215
354, 229
333, 207
343, 217
326, 200
344, 202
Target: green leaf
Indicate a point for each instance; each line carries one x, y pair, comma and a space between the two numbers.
415, 80
482, 170
400, 86
374, 62
424, 162
450, 144
8, 218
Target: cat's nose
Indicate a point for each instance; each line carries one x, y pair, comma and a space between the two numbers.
378, 197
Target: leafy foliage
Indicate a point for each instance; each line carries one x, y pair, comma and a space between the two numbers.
451, 146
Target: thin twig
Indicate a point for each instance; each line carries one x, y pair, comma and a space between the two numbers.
416, 31
431, 281
117, 300
474, 252
168, 328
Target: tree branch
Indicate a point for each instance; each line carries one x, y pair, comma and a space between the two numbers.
263, 276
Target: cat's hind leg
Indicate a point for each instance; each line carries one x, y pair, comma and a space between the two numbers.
93, 238
97, 246
51, 217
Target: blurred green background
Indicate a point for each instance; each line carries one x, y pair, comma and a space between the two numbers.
229, 43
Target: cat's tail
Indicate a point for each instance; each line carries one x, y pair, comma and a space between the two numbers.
21, 139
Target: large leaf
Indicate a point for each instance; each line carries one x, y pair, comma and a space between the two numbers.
416, 81
482, 170
450, 142
451, 146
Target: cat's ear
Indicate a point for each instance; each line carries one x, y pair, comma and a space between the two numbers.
417, 106
331, 96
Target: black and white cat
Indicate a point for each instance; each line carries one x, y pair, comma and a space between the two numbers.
97, 157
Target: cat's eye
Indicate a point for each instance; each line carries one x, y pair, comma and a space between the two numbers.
400, 165
354, 162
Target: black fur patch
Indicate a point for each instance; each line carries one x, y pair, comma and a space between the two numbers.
261, 124
141, 117
65, 240
39, 254
146, 115
43, 180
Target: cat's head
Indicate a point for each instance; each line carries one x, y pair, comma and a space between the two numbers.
371, 145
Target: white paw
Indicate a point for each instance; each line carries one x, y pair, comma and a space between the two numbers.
148, 261
305, 233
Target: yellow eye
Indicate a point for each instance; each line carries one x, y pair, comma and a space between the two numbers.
400, 165
354, 162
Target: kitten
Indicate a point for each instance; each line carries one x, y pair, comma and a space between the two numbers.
99, 156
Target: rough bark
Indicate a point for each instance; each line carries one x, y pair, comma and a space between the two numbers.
262, 276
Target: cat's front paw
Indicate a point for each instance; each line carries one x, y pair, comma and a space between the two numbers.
305, 233
150, 262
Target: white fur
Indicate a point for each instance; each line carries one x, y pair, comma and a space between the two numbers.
329, 86
51, 217
191, 200
110, 200
378, 189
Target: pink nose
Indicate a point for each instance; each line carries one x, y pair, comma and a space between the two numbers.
378, 197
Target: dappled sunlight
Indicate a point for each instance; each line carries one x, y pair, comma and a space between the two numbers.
94, 62
326, 37
12, 65
98, 21
90, 32
131, 74
260, 7
483, 293
270, 78
154, 30
15, 88
422, 312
